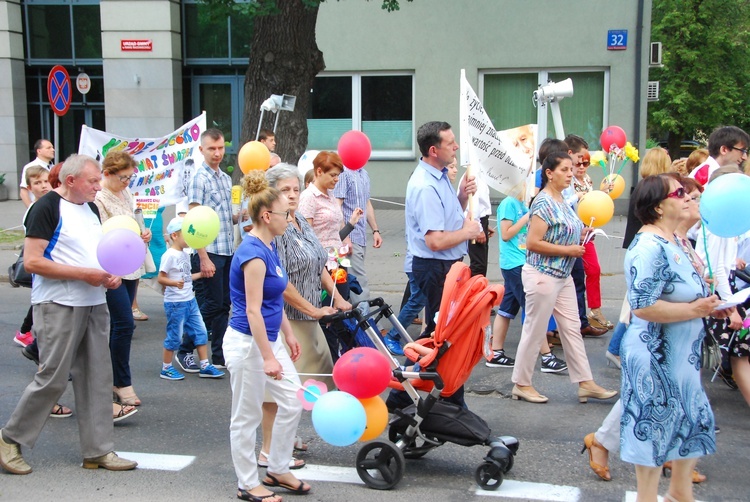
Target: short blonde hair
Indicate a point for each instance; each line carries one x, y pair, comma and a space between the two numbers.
656, 161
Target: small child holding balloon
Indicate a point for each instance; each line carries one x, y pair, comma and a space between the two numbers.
181, 307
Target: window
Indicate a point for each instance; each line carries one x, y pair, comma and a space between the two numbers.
507, 100
215, 38
380, 105
63, 32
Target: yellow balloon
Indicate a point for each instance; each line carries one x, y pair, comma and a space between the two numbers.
596, 208
200, 227
618, 185
377, 417
253, 156
121, 221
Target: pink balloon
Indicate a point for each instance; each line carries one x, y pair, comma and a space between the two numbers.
121, 251
362, 372
612, 135
354, 149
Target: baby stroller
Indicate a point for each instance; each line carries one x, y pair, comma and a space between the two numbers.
442, 364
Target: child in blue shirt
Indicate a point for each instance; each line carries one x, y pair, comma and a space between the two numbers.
181, 307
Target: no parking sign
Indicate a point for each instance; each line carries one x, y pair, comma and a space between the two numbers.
59, 90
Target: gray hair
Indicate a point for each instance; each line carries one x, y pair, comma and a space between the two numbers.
74, 164
280, 172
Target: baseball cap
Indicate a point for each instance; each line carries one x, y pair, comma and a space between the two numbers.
175, 225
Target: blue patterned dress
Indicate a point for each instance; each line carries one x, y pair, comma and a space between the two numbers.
666, 414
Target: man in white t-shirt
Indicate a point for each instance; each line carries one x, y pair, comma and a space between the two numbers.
726, 145
45, 154
71, 321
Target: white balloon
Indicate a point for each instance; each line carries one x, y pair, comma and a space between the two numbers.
306, 162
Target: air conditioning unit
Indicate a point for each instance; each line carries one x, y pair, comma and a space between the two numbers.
652, 94
655, 54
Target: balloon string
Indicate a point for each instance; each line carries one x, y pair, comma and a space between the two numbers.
622, 166
604, 168
708, 261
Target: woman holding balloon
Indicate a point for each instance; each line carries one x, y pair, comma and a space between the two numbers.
553, 243
115, 200
256, 358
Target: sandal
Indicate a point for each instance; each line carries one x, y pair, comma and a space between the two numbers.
271, 480
294, 463
126, 395
553, 337
246, 495
60, 411
139, 316
416, 320
123, 412
299, 445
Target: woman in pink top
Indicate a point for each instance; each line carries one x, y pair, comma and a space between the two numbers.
317, 203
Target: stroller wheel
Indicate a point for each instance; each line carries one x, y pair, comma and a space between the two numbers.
380, 464
488, 476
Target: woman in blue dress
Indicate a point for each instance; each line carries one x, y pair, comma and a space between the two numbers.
666, 414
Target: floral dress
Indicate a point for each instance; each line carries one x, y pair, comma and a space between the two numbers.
666, 414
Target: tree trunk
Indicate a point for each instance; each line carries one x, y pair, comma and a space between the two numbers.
284, 60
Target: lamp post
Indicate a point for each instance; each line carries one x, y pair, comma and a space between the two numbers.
275, 104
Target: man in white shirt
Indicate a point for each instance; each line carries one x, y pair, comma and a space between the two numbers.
45, 154
726, 145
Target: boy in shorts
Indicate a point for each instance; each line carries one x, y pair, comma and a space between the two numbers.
181, 307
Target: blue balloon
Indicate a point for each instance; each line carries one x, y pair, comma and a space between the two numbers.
725, 205
339, 418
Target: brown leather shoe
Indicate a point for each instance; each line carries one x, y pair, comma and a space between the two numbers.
110, 461
593, 331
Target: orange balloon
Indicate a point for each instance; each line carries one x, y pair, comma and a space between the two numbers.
377, 417
596, 208
618, 185
253, 156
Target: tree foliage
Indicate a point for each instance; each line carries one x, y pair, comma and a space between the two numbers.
705, 80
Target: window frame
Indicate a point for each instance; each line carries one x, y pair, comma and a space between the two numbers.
226, 61
356, 81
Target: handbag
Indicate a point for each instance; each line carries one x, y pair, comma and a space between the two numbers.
710, 350
17, 274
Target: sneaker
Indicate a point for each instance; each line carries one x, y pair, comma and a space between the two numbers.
553, 364
393, 346
23, 339
32, 354
500, 361
171, 374
187, 363
727, 378
210, 371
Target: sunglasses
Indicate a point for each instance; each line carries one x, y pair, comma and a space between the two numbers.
677, 194
585, 163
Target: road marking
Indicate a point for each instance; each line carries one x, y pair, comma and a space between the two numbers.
633, 496
534, 491
330, 473
157, 461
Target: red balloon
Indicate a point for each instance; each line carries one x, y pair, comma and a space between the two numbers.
354, 149
612, 135
362, 372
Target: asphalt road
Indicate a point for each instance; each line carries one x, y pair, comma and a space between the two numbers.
190, 418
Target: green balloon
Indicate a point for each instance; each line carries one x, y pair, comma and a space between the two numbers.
200, 227
230, 169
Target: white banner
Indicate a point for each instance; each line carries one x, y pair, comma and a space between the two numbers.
503, 159
165, 165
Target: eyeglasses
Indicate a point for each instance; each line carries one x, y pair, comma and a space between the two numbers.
585, 163
126, 178
743, 150
283, 213
697, 198
677, 194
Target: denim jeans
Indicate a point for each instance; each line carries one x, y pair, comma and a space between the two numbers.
121, 327
212, 294
184, 318
429, 275
411, 308
617, 334
579, 279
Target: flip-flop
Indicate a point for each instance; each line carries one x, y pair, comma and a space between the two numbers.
246, 495
60, 411
298, 490
299, 445
294, 463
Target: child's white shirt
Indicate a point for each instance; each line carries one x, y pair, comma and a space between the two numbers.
176, 264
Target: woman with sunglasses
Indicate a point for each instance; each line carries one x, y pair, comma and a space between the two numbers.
256, 357
114, 199
666, 415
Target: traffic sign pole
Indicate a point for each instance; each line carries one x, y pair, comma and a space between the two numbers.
60, 95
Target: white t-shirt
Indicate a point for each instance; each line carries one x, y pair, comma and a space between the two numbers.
176, 264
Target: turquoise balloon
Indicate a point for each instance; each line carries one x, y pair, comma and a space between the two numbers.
725, 205
339, 418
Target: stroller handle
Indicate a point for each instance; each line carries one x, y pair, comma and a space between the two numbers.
355, 313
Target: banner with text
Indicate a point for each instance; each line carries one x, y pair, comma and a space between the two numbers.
503, 159
165, 165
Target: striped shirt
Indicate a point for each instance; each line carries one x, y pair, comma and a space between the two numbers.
354, 188
564, 228
303, 258
214, 189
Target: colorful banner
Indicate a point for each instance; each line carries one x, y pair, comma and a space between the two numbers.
165, 165
503, 159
